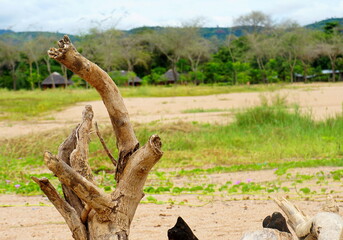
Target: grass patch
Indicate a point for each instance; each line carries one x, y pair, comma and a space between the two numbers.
23, 104
202, 110
267, 136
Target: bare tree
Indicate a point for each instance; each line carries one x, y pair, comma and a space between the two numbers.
9, 57
89, 212
262, 48
256, 20
296, 45
332, 47
132, 52
196, 48
103, 48
171, 42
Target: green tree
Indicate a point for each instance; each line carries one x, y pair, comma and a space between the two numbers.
10, 57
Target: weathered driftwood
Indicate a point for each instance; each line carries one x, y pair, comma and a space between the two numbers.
181, 231
275, 228
323, 226
267, 234
89, 212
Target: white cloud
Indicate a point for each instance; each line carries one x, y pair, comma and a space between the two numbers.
77, 16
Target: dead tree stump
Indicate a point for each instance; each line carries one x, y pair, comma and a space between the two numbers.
89, 212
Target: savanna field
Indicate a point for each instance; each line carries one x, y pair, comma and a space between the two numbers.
229, 158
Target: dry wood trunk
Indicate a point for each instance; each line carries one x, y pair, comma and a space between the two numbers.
89, 212
267, 234
326, 225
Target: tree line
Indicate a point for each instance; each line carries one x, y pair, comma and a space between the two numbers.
266, 53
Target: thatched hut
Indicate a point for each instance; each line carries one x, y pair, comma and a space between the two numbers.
171, 77
133, 80
55, 79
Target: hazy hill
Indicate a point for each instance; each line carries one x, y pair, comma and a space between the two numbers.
320, 25
207, 32
19, 37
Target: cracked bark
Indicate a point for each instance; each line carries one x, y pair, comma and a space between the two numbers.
89, 212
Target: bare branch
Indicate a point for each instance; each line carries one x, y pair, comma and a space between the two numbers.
109, 154
83, 188
68, 212
135, 175
64, 151
79, 156
67, 55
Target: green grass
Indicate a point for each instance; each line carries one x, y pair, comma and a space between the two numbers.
24, 105
267, 136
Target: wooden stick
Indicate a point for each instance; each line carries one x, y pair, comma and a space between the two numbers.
109, 154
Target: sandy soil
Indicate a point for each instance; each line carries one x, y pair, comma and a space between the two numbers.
211, 217
215, 216
322, 100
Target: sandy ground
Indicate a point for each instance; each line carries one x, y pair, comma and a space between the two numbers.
215, 216
211, 217
321, 100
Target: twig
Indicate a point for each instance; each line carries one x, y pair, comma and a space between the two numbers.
109, 154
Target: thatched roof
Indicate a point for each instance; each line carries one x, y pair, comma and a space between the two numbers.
169, 75
134, 80
57, 78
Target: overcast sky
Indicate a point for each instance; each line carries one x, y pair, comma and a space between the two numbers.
77, 16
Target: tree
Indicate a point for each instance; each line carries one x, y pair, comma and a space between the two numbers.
9, 57
256, 20
332, 47
89, 212
102, 47
171, 42
35, 50
291, 44
262, 49
197, 49
133, 52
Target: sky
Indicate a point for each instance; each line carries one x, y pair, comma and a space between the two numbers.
78, 16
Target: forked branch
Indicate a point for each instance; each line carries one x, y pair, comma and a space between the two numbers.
126, 140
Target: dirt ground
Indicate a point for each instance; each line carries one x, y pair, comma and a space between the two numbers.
210, 217
321, 100
215, 216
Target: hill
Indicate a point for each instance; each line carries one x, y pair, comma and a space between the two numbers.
320, 25
220, 33
206, 32
20, 37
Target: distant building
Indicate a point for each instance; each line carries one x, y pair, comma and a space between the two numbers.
132, 80
170, 77
324, 75
57, 79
